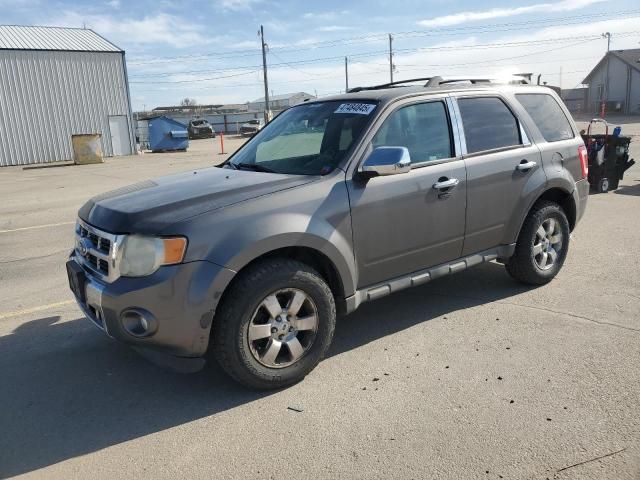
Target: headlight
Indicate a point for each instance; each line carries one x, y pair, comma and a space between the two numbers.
142, 256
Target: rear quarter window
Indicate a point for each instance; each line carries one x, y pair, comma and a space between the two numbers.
548, 116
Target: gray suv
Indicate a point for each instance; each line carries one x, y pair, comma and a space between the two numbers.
336, 202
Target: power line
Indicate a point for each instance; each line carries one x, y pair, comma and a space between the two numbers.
316, 78
290, 64
375, 37
199, 79
282, 62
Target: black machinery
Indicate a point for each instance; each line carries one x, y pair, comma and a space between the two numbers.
608, 157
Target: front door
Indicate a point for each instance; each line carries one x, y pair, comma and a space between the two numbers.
119, 129
402, 223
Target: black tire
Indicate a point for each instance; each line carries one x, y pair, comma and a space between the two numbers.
603, 185
523, 266
229, 342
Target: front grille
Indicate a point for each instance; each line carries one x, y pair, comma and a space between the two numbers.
98, 264
99, 243
94, 248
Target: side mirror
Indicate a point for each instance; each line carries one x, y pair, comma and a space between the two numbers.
386, 161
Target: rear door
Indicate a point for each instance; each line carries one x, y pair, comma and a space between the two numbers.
559, 145
503, 167
401, 223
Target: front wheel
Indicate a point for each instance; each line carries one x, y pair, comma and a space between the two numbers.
542, 245
274, 325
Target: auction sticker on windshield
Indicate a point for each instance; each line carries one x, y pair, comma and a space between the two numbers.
359, 108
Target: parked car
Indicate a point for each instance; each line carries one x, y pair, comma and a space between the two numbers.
386, 189
251, 127
200, 129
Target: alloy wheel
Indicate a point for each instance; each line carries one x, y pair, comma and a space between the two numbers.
547, 244
283, 328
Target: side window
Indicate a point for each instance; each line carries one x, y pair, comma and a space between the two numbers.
488, 124
422, 128
549, 117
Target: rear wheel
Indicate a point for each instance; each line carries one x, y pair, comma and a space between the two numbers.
274, 325
542, 245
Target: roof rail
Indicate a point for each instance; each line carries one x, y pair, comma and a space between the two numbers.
387, 85
433, 82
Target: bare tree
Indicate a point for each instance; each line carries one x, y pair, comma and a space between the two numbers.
188, 102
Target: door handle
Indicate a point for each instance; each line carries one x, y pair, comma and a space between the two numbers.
449, 183
525, 165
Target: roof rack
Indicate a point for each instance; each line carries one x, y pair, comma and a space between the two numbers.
390, 84
435, 82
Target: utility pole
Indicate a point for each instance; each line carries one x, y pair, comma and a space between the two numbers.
267, 113
346, 75
391, 58
603, 106
560, 82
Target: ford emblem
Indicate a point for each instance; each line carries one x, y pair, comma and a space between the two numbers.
83, 248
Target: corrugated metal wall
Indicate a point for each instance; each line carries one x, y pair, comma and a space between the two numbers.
45, 97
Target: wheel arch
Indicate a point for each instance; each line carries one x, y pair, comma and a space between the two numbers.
333, 268
560, 195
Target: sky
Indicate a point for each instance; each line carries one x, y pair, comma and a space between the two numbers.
210, 51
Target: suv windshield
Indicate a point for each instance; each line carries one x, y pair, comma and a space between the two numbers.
199, 122
309, 139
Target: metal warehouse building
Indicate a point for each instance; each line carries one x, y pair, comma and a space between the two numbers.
616, 81
58, 82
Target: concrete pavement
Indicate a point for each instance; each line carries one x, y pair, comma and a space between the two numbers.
470, 376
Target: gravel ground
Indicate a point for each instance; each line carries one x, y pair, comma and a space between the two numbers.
470, 376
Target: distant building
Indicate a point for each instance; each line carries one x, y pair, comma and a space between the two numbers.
280, 102
575, 99
624, 82
57, 82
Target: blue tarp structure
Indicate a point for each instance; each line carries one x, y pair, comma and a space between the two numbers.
165, 135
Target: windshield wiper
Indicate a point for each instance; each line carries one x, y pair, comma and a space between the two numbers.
255, 167
230, 164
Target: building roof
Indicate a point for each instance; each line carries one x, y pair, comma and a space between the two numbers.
631, 57
175, 108
19, 37
285, 96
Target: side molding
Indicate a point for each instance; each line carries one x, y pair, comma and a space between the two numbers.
423, 276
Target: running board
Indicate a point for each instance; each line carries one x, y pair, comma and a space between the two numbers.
423, 276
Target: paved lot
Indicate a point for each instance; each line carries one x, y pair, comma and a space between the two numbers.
471, 376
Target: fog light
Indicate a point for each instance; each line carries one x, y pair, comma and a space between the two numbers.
138, 322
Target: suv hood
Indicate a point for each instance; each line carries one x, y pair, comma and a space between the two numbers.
151, 206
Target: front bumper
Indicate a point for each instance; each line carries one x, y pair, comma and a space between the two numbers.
181, 300
202, 134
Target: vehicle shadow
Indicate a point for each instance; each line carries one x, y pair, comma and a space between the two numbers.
67, 390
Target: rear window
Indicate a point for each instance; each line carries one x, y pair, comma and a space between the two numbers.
488, 124
549, 117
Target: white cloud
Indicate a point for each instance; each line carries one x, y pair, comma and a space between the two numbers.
237, 5
465, 17
114, 3
325, 15
333, 28
158, 29
328, 77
